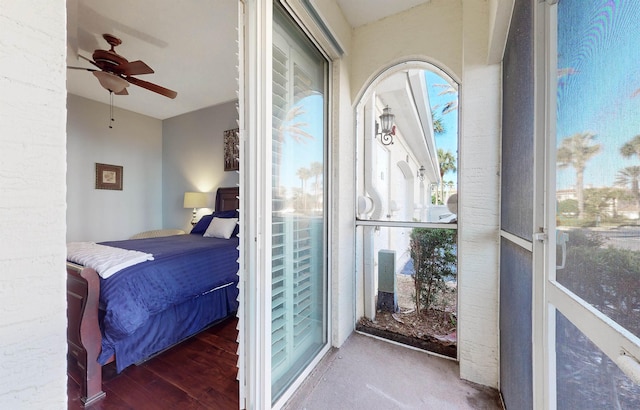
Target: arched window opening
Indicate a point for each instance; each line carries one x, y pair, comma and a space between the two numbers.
407, 207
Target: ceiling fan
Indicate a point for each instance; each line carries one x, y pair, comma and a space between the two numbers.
115, 72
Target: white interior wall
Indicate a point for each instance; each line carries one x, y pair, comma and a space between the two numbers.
193, 160
32, 205
161, 160
135, 143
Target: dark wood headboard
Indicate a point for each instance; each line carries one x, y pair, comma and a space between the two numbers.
227, 199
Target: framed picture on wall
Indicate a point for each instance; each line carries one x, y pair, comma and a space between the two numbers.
231, 154
109, 177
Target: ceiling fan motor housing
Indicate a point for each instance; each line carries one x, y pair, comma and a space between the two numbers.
109, 60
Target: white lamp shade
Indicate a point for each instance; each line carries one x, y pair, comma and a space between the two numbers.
195, 200
111, 82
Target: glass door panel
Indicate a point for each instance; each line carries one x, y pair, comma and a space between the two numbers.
594, 281
586, 377
598, 156
299, 219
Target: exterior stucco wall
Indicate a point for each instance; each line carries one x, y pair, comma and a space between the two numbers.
479, 208
342, 206
32, 205
431, 31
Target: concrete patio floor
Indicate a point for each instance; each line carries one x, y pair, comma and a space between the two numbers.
367, 373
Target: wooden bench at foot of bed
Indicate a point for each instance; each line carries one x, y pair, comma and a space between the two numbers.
83, 333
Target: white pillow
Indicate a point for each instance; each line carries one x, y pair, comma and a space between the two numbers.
221, 228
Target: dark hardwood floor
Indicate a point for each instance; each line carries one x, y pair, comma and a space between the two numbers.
199, 373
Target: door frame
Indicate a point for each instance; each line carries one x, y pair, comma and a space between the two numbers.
255, 89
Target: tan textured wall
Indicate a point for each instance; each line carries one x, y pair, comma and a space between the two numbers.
432, 31
342, 206
32, 205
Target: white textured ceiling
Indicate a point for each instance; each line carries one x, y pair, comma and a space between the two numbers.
361, 12
191, 45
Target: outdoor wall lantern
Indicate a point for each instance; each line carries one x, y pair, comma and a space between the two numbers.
386, 130
420, 173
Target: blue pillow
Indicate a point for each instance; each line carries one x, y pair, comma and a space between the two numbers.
228, 214
202, 225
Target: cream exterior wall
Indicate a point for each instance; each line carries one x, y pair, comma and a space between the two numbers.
478, 235
343, 214
32, 205
431, 32
342, 152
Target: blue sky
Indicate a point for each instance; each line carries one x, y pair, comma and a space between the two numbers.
598, 82
449, 139
298, 154
301, 153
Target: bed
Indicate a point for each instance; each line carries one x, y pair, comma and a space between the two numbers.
148, 307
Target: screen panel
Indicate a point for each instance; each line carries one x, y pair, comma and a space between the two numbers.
517, 125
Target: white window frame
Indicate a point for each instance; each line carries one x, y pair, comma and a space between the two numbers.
255, 110
255, 145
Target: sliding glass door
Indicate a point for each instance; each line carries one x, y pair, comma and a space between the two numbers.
299, 193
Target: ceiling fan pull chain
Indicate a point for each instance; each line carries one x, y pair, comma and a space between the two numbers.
111, 119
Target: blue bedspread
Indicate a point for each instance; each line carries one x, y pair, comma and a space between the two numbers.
184, 268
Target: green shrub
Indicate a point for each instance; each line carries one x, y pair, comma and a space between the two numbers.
434, 260
607, 278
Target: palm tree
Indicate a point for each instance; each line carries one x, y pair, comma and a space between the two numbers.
451, 105
316, 169
291, 127
438, 125
447, 162
603, 201
574, 152
631, 147
630, 176
303, 174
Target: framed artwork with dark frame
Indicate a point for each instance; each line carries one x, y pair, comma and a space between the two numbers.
108, 177
231, 141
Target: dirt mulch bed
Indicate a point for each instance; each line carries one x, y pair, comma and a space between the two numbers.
433, 330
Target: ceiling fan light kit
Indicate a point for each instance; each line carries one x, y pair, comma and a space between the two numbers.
111, 82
